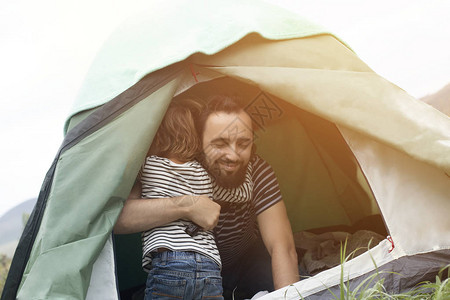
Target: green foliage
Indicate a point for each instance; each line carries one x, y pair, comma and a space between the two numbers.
5, 263
438, 290
372, 287
25, 218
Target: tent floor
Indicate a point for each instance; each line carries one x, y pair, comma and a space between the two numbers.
320, 249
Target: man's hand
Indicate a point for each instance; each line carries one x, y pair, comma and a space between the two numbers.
200, 209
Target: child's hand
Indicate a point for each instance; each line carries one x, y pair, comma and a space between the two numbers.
202, 211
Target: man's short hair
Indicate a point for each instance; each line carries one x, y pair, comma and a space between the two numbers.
216, 104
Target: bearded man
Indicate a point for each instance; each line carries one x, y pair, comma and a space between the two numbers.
254, 236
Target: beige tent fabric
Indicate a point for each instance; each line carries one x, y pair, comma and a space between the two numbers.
335, 84
414, 197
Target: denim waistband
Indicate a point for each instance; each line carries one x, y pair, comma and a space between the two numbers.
187, 264
174, 255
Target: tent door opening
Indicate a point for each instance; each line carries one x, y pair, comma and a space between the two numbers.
327, 196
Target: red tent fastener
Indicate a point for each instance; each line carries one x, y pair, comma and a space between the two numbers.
193, 72
389, 238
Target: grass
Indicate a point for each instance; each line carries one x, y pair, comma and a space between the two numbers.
373, 286
5, 263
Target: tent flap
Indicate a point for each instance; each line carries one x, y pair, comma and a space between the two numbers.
92, 179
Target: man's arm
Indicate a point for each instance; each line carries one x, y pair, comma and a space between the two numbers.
277, 235
143, 214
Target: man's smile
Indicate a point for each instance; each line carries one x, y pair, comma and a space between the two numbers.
229, 166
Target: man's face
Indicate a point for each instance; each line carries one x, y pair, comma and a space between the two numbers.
227, 147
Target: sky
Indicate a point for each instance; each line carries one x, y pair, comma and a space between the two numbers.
47, 46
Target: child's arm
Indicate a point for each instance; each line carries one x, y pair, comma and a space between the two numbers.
143, 214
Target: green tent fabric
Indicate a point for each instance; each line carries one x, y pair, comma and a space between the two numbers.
340, 130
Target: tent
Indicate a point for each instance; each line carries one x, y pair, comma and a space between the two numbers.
346, 145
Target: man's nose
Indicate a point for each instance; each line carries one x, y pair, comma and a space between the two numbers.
231, 153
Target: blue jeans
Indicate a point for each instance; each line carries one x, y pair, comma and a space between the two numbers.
183, 275
252, 273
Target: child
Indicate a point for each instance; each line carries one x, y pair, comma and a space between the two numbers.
182, 262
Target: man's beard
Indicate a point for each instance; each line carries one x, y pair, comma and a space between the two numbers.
222, 177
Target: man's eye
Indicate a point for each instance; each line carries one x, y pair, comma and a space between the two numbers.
244, 145
219, 145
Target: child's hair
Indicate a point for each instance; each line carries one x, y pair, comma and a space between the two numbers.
177, 135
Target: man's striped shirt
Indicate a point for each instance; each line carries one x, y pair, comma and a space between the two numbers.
237, 228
